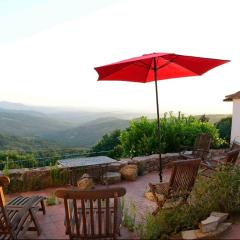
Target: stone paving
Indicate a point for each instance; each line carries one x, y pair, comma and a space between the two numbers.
52, 223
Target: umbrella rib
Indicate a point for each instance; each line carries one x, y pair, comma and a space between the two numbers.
165, 64
133, 63
172, 61
107, 75
141, 64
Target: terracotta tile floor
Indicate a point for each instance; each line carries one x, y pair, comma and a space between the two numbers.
52, 223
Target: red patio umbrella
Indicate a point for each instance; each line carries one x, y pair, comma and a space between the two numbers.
154, 67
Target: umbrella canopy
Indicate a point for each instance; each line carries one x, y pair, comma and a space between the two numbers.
168, 65
154, 67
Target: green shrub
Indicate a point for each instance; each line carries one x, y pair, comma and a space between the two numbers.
58, 176
108, 145
129, 215
140, 137
221, 192
51, 200
224, 126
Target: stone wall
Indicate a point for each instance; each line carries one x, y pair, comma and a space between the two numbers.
34, 179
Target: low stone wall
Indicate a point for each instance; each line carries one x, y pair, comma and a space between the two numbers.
34, 179
25, 179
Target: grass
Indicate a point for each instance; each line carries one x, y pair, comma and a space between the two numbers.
221, 193
52, 200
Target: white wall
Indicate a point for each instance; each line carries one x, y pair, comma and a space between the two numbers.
235, 132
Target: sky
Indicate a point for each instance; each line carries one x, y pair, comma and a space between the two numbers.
49, 48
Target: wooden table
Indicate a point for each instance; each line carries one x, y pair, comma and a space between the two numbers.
95, 166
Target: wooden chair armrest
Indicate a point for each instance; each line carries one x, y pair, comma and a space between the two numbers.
207, 166
159, 188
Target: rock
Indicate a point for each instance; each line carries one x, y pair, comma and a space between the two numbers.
209, 224
85, 183
223, 227
197, 234
129, 172
190, 234
222, 216
111, 177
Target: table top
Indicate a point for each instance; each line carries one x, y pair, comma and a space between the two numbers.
87, 161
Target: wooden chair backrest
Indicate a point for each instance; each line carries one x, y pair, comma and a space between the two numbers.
184, 173
92, 214
202, 145
232, 156
5, 228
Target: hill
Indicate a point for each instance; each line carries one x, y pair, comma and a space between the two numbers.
87, 134
213, 118
28, 123
24, 144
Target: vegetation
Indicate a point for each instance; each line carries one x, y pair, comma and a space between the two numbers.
29, 144
140, 138
51, 200
221, 193
59, 176
22, 159
224, 127
109, 145
129, 215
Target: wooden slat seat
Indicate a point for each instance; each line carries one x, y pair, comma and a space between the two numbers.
183, 176
94, 214
19, 215
37, 202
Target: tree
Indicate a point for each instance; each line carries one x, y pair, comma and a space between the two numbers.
224, 127
204, 118
108, 145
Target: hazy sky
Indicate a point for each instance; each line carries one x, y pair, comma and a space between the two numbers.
48, 51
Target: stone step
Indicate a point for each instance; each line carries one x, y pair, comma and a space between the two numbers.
197, 234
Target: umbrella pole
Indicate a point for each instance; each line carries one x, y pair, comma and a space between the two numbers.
158, 121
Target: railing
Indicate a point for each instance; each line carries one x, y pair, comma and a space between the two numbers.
35, 162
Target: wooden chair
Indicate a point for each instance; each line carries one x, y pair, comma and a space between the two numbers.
229, 158
183, 176
17, 215
92, 214
200, 149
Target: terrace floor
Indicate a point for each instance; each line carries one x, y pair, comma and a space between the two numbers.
52, 223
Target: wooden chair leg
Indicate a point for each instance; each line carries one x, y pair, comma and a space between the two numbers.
154, 213
35, 221
43, 209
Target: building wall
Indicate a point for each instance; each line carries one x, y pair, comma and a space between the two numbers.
235, 132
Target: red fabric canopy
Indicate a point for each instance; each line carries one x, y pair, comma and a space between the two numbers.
169, 65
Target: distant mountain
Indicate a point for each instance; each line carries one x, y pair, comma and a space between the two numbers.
213, 118
14, 106
88, 134
24, 144
70, 115
29, 124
